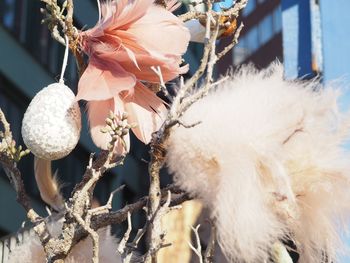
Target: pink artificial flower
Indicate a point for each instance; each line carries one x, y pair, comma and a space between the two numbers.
132, 37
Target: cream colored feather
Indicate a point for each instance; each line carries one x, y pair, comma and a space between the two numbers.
47, 184
268, 159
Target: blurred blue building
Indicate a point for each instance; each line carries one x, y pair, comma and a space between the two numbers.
308, 36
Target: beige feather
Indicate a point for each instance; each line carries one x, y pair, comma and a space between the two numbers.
268, 160
47, 184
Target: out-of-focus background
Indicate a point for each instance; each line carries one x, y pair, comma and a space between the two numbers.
311, 38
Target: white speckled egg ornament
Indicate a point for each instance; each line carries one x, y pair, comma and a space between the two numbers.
52, 123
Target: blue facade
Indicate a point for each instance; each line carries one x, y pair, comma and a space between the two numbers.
335, 45
296, 37
315, 38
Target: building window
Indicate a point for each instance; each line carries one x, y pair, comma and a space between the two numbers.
8, 13
250, 7
252, 39
258, 35
277, 20
247, 45
13, 15
23, 16
240, 52
266, 31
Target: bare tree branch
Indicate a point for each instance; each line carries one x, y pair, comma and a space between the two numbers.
9, 155
55, 19
117, 217
198, 249
124, 240
232, 44
231, 12
210, 250
184, 99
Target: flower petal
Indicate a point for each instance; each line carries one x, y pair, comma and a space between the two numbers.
161, 31
97, 113
122, 13
173, 5
146, 110
144, 71
104, 79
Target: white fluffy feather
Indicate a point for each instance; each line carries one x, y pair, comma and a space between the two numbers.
267, 158
31, 251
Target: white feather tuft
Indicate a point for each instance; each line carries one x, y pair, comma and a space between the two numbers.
267, 159
31, 251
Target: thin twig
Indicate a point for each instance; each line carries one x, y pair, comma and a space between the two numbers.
130, 248
198, 249
178, 107
124, 240
9, 154
117, 217
212, 57
189, 100
232, 44
55, 19
188, 126
210, 250
93, 234
162, 85
230, 12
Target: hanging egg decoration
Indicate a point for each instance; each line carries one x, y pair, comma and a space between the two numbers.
52, 123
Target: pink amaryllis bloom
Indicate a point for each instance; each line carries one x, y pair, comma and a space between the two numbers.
132, 38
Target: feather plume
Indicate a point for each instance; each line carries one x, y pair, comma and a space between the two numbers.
147, 111
268, 159
47, 183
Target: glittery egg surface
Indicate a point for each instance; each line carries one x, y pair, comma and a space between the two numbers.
52, 123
